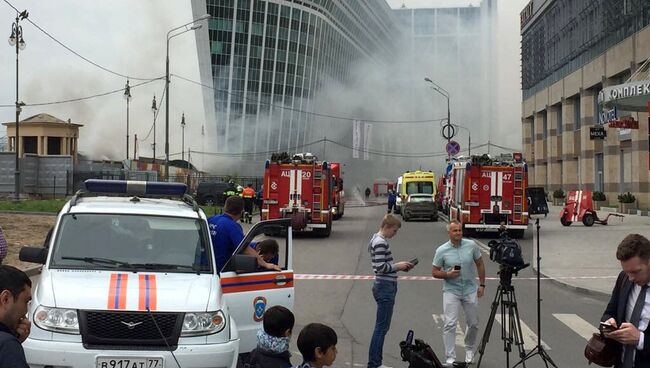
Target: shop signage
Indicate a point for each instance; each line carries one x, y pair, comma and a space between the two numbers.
607, 115
625, 123
626, 90
597, 133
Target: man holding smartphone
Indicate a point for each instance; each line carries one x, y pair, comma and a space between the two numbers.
627, 315
458, 262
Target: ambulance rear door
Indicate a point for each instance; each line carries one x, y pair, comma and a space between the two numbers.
249, 291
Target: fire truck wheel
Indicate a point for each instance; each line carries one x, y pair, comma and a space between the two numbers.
564, 221
588, 219
434, 218
324, 233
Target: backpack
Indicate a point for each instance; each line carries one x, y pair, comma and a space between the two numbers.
419, 355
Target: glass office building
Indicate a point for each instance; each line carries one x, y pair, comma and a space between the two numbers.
268, 59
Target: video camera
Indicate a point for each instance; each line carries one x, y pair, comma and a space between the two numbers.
418, 354
507, 253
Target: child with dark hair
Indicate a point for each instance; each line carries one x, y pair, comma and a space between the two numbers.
269, 250
317, 344
272, 349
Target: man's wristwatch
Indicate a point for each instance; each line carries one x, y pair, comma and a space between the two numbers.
482, 285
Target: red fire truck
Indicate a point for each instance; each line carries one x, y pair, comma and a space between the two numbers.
299, 188
338, 195
485, 192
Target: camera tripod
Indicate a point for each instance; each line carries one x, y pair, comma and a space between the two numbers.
510, 323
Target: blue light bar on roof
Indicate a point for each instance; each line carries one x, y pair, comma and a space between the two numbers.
135, 187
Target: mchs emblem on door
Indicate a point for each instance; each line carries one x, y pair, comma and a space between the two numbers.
259, 306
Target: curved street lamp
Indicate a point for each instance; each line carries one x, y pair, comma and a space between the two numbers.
16, 39
170, 36
445, 94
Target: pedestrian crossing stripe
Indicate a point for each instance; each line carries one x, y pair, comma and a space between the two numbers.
574, 322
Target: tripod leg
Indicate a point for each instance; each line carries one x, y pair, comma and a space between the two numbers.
515, 327
488, 327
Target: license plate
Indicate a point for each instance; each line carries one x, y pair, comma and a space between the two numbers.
104, 362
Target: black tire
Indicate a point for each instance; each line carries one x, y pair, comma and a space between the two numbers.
565, 222
588, 219
324, 233
434, 218
405, 217
467, 232
209, 200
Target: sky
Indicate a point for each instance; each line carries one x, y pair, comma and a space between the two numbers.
128, 38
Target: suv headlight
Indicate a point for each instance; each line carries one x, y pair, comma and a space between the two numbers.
207, 323
57, 319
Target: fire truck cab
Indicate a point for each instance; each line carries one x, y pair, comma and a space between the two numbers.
300, 188
338, 195
484, 192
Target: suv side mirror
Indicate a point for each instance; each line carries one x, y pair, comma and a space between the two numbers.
243, 263
33, 254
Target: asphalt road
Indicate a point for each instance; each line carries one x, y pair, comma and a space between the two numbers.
568, 317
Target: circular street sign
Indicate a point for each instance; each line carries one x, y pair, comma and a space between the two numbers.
448, 131
453, 148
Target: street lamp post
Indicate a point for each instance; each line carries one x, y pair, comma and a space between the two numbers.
170, 36
445, 94
469, 138
16, 39
183, 137
154, 109
127, 97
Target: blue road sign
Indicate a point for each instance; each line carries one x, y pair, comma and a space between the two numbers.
453, 148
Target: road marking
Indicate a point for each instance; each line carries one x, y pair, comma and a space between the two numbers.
530, 338
306, 276
577, 324
439, 321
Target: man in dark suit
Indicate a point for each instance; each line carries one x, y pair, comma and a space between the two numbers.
628, 311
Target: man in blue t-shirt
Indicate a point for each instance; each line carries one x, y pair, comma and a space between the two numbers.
226, 234
458, 262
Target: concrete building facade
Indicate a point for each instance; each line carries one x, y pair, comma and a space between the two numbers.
571, 51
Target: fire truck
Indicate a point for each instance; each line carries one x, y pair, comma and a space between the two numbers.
300, 188
338, 195
485, 192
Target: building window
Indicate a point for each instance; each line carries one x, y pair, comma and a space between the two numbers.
532, 133
544, 125
559, 118
576, 112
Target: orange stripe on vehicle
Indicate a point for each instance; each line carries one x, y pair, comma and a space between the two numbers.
255, 282
117, 291
147, 290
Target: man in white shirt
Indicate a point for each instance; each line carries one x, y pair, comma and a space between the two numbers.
628, 311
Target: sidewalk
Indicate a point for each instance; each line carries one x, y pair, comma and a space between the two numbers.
583, 257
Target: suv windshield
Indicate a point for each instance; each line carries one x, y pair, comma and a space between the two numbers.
131, 242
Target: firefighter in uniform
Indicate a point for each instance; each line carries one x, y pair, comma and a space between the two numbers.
248, 194
230, 191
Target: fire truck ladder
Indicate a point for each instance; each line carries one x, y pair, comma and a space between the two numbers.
316, 197
518, 191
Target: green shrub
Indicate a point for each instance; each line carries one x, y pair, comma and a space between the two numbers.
559, 193
598, 196
626, 198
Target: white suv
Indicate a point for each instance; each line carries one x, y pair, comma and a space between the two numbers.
131, 281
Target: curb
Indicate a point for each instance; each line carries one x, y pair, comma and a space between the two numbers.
29, 213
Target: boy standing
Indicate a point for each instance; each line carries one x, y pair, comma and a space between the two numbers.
272, 349
317, 344
384, 288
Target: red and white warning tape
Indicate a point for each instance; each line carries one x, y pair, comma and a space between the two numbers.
429, 278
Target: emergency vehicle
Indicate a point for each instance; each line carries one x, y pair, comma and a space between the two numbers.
300, 188
484, 192
130, 280
338, 195
415, 182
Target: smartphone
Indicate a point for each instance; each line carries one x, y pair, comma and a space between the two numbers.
457, 267
414, 261
606, 327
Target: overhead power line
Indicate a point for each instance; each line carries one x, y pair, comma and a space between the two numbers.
76, 53
310, 112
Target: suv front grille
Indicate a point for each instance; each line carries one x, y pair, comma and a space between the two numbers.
128, 330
